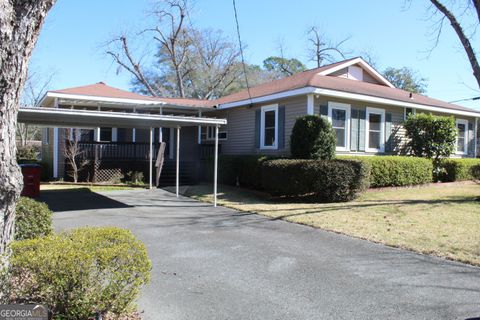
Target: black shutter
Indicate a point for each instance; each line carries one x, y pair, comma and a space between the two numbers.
281, 127
388, 133
324, 111
257, 128
354, 130
361, 130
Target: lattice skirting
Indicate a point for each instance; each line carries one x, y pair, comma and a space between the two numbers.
116, 170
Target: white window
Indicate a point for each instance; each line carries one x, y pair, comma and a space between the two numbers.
375, 130
222, 134
462, 136
269, 127
339, 117
408, 111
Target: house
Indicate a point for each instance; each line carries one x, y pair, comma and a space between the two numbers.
366, 111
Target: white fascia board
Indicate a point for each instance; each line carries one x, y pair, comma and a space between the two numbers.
365, 65
101, 99
275, 96
391, 102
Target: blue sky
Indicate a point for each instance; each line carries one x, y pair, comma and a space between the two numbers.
71, 42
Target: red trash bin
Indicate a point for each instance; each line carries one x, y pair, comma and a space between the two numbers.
31, 180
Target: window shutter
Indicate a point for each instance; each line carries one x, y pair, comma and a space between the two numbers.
281, 127
388, 133
471, 140
361, 130
257, 128
354, 130
324, 111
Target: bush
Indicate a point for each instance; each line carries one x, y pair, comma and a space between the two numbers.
33, 219
27, 153
432, 137
396, 171
244, 170
319, 180
312, 138
459, 169
79, 273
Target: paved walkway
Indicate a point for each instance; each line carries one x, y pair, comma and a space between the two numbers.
216, 263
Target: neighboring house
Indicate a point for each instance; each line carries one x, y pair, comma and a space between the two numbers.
366, 112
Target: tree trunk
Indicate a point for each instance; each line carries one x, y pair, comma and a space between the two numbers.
20, 23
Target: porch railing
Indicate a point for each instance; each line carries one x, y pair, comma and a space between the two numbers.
117, 150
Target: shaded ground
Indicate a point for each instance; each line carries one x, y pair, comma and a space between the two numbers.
217, 263
439, 219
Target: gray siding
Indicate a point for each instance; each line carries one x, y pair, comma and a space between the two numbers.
241, 126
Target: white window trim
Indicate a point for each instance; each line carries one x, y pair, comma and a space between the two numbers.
271, 107
465, 144
380, 112
212, 136
347, 108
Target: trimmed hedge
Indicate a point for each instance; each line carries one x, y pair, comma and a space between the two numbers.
319, 180
244, 170
33, 219
459, 169
80, 273
396, 171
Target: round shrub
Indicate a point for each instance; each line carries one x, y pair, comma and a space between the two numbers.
312, 138
319, 180
33, 219
80, 273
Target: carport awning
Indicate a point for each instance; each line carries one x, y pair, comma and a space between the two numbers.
71, 118
67, 118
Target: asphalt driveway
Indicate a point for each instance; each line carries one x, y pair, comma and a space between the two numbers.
216, 263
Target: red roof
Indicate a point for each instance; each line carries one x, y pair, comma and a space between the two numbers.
308, 78
311, 78
100, 89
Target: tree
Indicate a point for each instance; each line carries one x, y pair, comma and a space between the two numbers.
283, 66
20, 24
189, 62
73, 154
32, 94
322, 49
406, 79
432, 137
459, 29
312, 138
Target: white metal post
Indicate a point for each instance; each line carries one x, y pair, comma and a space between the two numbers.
475, 132
151, 158
215, 169
200, 129
178, 161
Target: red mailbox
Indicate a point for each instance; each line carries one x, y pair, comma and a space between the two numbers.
31, 180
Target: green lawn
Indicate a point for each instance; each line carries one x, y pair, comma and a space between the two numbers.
93, 188
442, 220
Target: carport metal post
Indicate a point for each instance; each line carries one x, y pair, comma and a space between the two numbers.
151, 158
178, 161
215, 169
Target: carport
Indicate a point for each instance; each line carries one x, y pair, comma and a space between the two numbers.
85, 119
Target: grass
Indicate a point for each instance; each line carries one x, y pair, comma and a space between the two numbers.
441, 220
93, 188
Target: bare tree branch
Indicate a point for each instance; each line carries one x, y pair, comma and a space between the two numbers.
322, 48
467, 46
131, 65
